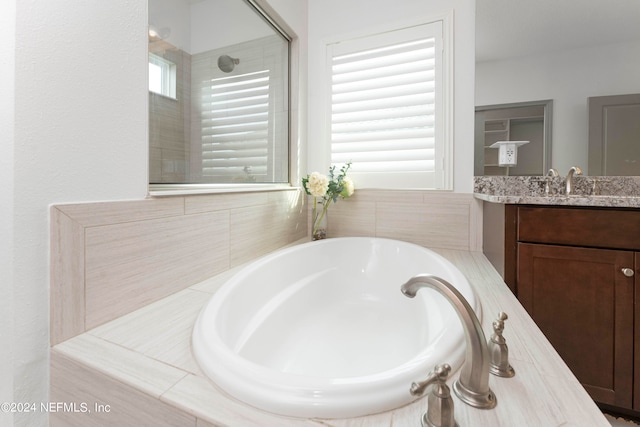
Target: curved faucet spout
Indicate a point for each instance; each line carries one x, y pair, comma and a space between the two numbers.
472, 387
569, 180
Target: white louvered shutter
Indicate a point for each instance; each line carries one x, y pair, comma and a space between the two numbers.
235, 126
386, 107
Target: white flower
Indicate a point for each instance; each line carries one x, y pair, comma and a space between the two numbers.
347, 188
318, 184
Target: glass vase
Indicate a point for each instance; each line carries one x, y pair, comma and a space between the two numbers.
319, 222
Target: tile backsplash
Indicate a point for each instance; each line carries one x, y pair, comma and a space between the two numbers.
111, 258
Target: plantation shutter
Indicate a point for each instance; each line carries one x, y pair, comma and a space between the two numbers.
386, 107
235, 127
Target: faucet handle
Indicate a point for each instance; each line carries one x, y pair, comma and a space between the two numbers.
498, 324
548, 179
439, 375
440, 403
498, 350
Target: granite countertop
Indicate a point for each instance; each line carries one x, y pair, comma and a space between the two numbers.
601, 191
149, 351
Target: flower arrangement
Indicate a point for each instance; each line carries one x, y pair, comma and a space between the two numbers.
326, 189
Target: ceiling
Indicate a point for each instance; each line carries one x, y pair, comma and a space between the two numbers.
512, 28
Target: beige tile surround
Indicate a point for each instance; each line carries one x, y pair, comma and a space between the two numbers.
427, 218
111, 258
108, 259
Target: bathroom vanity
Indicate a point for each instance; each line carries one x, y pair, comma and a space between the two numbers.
572, 262
573, 269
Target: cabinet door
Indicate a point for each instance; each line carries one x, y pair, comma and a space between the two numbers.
583, 303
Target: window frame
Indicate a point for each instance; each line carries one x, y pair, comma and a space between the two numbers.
168, 77
444, 143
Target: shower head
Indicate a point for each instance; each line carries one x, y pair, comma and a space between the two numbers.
227, 63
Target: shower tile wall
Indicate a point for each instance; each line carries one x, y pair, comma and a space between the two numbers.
170, 121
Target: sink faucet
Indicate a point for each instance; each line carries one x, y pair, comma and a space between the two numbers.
472, 387
569, 180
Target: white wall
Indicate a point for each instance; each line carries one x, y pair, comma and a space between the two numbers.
173, 20
7, 79
197, 27
80, 131
325, 24
77, 132
569, 78
234, 23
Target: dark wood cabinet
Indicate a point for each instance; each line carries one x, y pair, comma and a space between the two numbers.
583, 303
575, 272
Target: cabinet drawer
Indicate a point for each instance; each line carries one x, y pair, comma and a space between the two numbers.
599, 228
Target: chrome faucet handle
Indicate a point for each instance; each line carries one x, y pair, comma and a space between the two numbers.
498, 350
440, 403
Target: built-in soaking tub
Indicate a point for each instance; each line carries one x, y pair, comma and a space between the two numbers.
322, 329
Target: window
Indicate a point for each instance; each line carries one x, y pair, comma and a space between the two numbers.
162, 76
389, 108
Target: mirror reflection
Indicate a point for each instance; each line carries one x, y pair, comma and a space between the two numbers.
528, 122
571, 52
218, 94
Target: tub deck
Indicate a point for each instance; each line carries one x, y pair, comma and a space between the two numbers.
138, 370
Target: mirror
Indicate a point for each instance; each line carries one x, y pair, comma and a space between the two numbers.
218, 94
566, 51
520, 121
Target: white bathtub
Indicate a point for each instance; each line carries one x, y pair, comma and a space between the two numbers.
321, 330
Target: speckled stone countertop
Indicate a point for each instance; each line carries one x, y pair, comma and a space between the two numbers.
603, 191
